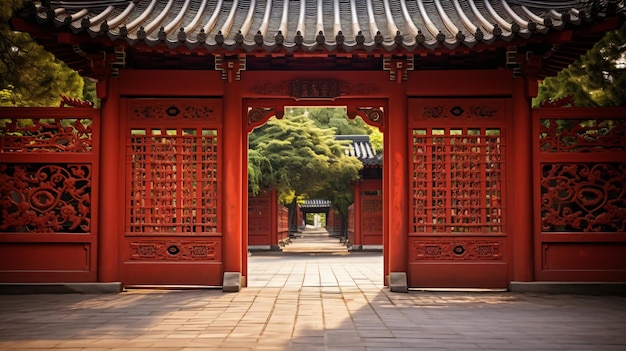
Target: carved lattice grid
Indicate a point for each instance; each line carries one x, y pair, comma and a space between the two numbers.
50, 134
457, 180
173, 181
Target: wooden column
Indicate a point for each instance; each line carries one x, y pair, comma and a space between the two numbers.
519, 180
234, 194
110, 177
358, 235
273, 237
395, 183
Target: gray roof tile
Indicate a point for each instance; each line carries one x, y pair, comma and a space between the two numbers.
362, 148
312, 25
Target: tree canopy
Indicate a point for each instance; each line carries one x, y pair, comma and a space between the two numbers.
337, 119
296, 157
299, 156
299, 159
29, 75
596, 79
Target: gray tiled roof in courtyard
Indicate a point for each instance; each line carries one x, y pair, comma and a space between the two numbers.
347, 25
315, 204
362, 148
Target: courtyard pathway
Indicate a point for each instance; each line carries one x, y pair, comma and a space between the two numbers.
311, 301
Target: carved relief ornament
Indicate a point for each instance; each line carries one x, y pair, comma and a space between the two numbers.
464, 250
174, 109
177, 250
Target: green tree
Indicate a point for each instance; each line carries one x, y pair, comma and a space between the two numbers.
333, 117
298, 159
596, 79
29, 75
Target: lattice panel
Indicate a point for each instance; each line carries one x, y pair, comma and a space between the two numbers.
583, 197
582, 135
173, 181
72, 135
37, 198
457, 181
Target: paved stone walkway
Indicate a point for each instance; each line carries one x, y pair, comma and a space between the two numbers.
311, 302
315, 240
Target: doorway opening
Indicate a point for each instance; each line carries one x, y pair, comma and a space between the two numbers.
314, 193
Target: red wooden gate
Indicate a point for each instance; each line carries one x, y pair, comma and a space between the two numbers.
172, 197
458, 234
371, 214
49, 194
260, 212
268, 226
580, 194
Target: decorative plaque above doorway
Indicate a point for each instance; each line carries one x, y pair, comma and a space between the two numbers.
314, 89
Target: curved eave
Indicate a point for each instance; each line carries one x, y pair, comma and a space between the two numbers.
321, 25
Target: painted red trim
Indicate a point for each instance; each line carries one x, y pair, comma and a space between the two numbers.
110, 210
519, 184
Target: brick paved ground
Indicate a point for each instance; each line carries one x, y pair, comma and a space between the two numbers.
312, 302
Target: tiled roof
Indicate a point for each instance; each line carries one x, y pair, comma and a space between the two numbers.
315, 204
362, 149
313, 25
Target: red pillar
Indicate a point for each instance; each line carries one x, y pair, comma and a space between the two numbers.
395, 183
273, 237
358, 235
110, 179
520, 216
234, 203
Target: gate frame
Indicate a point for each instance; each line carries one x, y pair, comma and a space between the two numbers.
275, 106
271, 86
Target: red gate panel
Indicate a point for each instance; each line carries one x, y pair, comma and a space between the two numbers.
260, 219
172, 232
48, 194
580, 194
372, 218
458, 222
283, 224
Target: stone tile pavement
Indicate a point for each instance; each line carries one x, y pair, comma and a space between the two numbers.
311, 302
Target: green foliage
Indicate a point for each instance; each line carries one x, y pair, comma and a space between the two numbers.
333, 117
376, 139
299, 159
295, 157
596, 79
89, 92
7, 8
29, 75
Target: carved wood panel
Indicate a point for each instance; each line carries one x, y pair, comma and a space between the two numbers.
45, 198
583, 135
583, 197
49, 175
175, 110
174, 250
457, 249
579, 158
74, 135
456, 110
